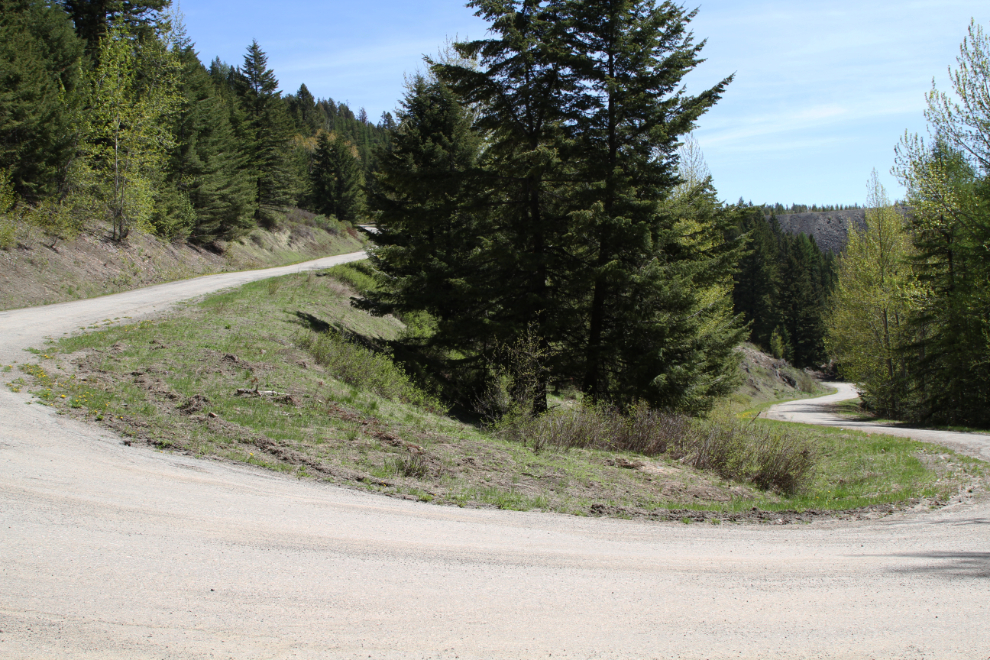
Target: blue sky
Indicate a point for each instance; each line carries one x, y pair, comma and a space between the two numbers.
823, 90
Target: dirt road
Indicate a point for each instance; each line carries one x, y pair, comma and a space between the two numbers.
820, 412
109, 551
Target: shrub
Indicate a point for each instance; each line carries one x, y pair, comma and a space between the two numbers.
641, 429
8, 233
757, 454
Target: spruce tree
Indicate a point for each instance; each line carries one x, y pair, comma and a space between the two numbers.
266, 134
518, 93
756, 289
426, 229
644, 337
92, 19
336, 178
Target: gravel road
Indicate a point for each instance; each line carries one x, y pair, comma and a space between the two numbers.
109, 551
820, 412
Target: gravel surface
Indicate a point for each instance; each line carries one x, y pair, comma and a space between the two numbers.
108, 551
820, 412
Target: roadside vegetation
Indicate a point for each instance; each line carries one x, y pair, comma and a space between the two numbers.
287, 375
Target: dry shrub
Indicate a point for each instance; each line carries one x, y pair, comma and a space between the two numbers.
763, 456
641, 429
805, 382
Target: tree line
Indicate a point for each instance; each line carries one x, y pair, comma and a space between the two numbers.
911, 315
107, 112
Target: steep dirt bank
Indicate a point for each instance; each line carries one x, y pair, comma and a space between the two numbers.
35, 273
766, 378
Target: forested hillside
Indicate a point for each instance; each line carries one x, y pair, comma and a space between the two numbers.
107, 115
782, 288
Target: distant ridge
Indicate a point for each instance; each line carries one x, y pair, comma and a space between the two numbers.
828, 228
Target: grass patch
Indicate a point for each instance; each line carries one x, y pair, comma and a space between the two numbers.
286, 375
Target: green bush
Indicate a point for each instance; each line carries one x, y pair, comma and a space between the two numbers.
8, 233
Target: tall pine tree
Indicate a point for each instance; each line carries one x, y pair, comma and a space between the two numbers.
266, 133
426, 229
207, 164
518, 93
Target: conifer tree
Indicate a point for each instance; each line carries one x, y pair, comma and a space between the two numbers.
802, 300
93, 18
336, 178
207, 164
518, 92
426, 229
266, 134
41, 94
757, 280
644, 335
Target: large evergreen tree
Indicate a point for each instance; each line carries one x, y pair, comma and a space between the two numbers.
93, 18
644, 341
426, 229
266, 134
518, 93
577, 240
755, 294
207, 164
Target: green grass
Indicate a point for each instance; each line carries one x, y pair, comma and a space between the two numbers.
341, 411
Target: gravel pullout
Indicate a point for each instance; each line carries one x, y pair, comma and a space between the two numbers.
109, 551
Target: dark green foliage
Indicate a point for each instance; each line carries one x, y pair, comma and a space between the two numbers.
336, 180
565, 237
233, 153
782, 287
40, 78
310, 116
803, 299
207, 164
949, 362
266, 132
426, 231
93, 17
756, 290
645, 339
518, 94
